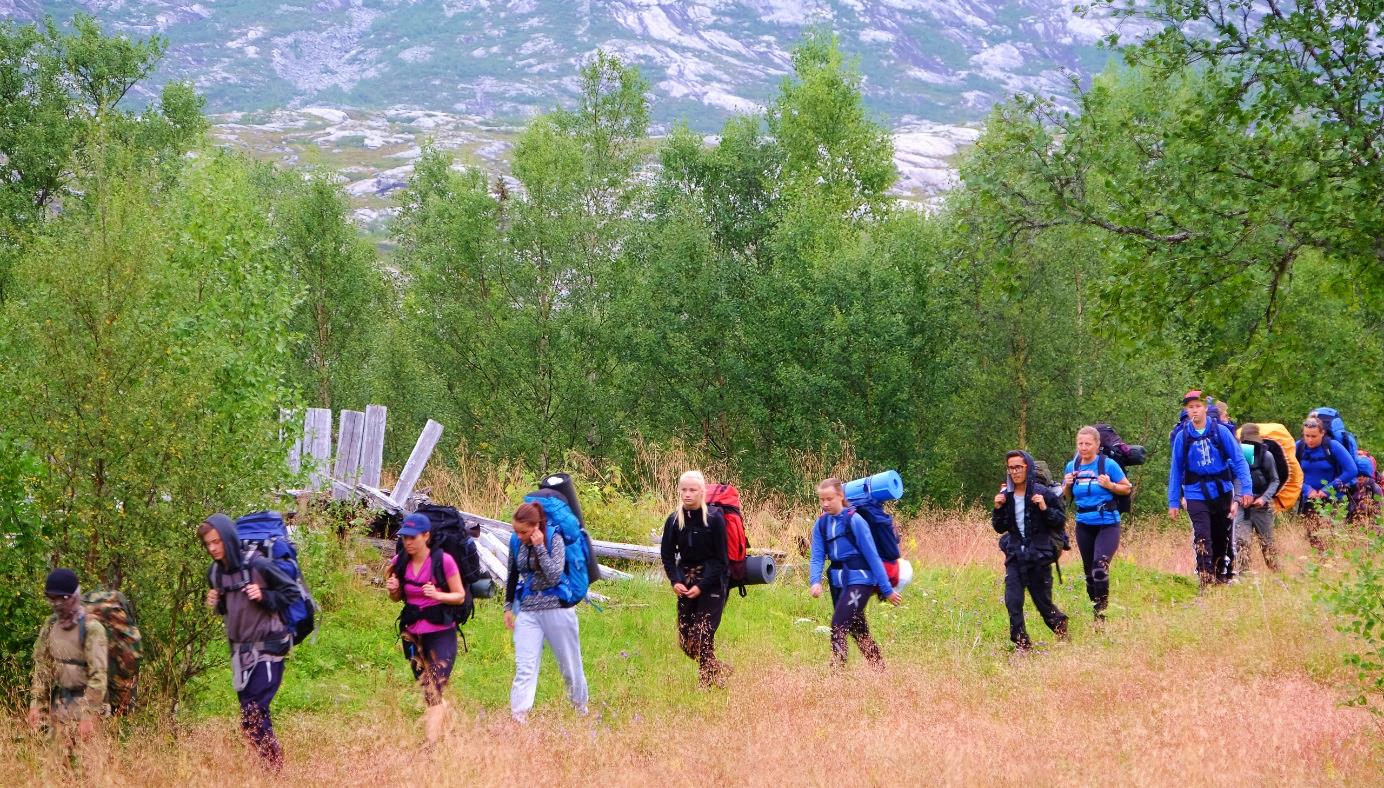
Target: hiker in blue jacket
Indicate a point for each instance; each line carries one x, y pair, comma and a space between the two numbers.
1328, 471
1033, 523
1208, 471
855, 574
1094, 481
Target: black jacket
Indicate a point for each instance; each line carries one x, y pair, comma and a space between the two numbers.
698, 544
1044, 535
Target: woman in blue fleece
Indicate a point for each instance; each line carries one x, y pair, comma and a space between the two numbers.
1325, 464
1208, 470
855, 574
1094, 481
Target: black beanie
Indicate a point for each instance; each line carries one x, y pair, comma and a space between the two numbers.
61, 581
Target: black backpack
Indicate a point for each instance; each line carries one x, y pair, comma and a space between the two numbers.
1114, 447
451, 536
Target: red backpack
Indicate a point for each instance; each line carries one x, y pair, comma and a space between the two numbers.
727, 499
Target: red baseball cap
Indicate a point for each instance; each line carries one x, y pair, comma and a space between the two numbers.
1191, 395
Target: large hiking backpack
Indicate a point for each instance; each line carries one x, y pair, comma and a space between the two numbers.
1283, 447
580, 568
1114, 447
562, 484
124, 646
1123, 503
726, 498
451, 536
1336, 428
264, 534
1212, 434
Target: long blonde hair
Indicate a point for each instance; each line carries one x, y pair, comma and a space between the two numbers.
700, 479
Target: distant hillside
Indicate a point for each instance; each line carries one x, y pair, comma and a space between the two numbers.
936, 60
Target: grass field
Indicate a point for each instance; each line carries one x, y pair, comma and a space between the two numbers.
1243, 685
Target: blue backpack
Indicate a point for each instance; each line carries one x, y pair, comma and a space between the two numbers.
1336, 428
881, 528
263, 533
580, 569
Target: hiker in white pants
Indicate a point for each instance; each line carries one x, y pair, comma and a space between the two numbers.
538, 617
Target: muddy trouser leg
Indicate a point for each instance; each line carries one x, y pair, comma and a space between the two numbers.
849, 618
255, 721
1262, 519
1313, 523
437, 654
1097, 545
1243, 529
1199, 512
1037, 578
698, 620
1014, 601
1222, 540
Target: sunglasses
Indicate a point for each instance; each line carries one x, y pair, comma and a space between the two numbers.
56, 598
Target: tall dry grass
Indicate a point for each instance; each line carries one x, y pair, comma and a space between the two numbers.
1239, 687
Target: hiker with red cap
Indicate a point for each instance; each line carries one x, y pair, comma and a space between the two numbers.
1208, 472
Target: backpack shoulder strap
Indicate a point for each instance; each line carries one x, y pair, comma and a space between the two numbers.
439, 568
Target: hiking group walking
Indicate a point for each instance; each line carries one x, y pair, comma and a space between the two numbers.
1229, 480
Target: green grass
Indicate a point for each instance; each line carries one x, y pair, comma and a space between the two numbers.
630, 649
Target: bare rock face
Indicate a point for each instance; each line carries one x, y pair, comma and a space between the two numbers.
939, 61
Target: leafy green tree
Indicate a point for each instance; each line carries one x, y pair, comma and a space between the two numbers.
60, 93
345, 293
144, 366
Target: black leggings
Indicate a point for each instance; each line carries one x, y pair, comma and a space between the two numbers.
432, 660
849, 618
698, 620
1097, 544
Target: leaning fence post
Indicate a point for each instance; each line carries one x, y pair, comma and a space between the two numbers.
422, 450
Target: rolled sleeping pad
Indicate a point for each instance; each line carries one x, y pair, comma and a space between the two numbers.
884, 486
760, 570
483, 588
905, 574
562, 483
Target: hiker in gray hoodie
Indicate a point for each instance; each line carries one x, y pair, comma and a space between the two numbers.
250, 592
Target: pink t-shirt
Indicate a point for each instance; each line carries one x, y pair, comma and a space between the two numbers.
413, 590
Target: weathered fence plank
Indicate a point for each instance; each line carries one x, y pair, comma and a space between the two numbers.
317, 438
372, 445
295, 452
413, 469
348, 444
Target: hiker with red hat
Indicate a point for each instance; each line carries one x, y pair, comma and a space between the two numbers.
1208, 473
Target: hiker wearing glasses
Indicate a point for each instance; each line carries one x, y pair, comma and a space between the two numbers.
1100, 493
1033, 523
68, 690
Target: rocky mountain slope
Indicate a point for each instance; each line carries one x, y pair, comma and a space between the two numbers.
935, 60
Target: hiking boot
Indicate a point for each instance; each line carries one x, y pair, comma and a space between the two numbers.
1022, 642
1061, 632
